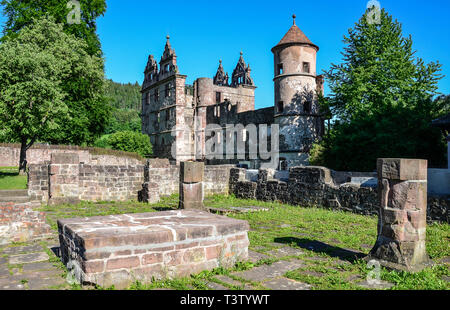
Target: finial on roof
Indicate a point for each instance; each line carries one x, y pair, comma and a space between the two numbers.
167, 37
242, 53
294, 17
220, 61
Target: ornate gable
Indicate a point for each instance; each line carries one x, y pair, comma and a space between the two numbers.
241, 74
221, 77
151, 70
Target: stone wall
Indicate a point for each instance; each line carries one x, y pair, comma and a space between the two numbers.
65, 179
316, 186
118, 250
38, 154
20, 222
163, 179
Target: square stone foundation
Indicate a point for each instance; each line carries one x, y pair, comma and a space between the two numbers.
120, 249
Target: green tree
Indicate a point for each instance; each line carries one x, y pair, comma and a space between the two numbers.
88, 111
382, 100
127, 141
20, 13
33, 67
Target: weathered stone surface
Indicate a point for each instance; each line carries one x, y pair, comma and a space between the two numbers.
191, 185
228, 280
285, 251
216, 286
37, 266
14, 250
402, 217
192, 172
255, 256
21, 222
402, 169
283, 284
191, 196
266, 272
28, 258
121, 248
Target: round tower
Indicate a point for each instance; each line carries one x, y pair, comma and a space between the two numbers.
296, 89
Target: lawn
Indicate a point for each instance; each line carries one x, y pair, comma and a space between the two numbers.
10, 179
325, 237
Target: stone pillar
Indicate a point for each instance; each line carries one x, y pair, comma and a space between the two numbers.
402, 193
191, 185
64, 171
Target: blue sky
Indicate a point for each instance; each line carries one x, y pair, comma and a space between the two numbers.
202, 32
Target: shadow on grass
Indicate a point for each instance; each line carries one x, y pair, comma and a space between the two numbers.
320, 247
164, 208
4, 174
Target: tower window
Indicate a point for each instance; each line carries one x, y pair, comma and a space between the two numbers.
306, 67
280, 69
280, 106
148, 98
307, 107
156, 95
167, 68
218, 97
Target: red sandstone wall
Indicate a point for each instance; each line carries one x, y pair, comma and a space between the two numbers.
19, 222
9, 156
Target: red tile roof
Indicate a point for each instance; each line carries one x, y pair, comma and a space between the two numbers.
295, 36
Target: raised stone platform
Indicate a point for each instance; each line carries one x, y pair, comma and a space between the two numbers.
119, 249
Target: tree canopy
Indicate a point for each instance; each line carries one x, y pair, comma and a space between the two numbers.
34, 67
382, 98
20, 13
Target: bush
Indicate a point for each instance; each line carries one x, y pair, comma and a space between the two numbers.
127, 141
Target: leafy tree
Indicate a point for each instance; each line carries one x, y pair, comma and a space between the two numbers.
88, 111
127, 141
33, 67
20, 13
382, 99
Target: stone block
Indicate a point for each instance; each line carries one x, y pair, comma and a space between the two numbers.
402, 169
192, 172
191, 196
65, 158
402, 217
120, 249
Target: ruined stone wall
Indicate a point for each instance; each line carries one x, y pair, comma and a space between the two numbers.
163, 179
315, 186
21, 222
38, 154
65, 179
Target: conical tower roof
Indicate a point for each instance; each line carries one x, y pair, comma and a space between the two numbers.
295, 36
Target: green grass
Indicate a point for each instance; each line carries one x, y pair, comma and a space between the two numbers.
339, 241
87, 209
10, 179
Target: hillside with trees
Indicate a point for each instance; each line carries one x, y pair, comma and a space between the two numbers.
125, 100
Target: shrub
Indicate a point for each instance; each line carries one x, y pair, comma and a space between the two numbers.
127, 141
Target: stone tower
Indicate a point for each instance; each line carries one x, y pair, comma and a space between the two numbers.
296, 89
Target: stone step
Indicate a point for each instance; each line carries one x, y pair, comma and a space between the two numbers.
17, 199
14, 193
